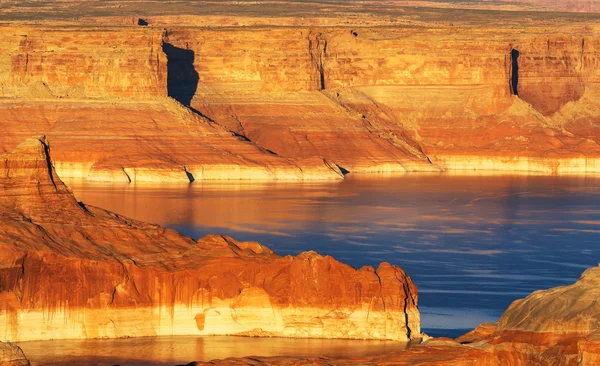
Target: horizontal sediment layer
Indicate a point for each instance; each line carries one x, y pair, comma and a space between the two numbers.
148, 141
218, 318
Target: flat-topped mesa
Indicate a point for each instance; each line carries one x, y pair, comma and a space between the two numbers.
409, 105
303, 102
68, 270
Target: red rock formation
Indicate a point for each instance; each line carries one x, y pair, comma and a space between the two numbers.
157, 141
566, 309
11, 355
379, 97
367, 99
68, 270
551, 327
408, 106
82, 63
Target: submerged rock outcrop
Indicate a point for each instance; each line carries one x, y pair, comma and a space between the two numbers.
68, 270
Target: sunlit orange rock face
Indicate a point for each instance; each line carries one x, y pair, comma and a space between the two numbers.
281, 98
154, 141
395, 99
74, 63
101, 96
74, 271
11, 355
558, 326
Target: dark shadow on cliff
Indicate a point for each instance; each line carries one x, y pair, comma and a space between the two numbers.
343, 170
514, 72
182, 78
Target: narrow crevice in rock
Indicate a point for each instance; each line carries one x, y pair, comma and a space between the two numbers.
82, 205
581, 55
343, 170
381, 291
48, 162
202, 114
240, 136
407, 294
514, 72
317, 47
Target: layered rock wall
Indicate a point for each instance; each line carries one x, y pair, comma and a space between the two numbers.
68, 270
558, 326
82, 62
553, 68
310, 99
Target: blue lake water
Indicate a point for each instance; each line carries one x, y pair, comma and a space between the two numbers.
472, 244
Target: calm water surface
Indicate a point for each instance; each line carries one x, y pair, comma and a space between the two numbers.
472, 244
169, 351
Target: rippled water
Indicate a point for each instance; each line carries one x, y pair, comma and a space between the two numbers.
472, 244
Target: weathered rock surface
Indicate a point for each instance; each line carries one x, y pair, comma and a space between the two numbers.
68, 270
558, 326
154, 141
11, 355
420, 94
567, 309
410, 105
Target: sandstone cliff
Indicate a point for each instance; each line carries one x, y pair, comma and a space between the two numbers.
68, 270
393, 99
11, 355
558, 326
151, 141
101, 96
302, 101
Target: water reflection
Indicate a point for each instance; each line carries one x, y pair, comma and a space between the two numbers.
472, 244
159, 351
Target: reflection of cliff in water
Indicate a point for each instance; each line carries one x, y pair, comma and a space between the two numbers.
159, 351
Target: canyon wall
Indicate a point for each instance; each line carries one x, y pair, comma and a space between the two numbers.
550, 64
551, 327
303, 102
400, 99
147, 141
68, 270
75, 62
